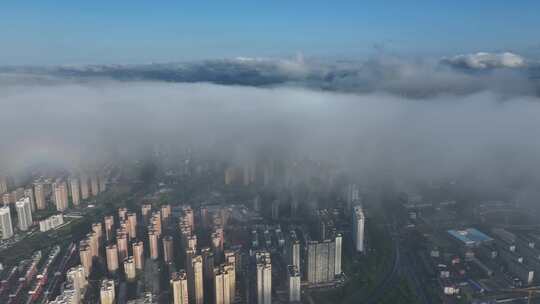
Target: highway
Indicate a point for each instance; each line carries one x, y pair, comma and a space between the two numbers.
403, 263
390, 279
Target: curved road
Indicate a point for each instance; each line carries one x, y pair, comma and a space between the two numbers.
401, 263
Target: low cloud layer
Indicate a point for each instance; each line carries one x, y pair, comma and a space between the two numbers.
505, 73
409, 120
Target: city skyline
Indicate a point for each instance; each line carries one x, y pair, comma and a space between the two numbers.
283, 152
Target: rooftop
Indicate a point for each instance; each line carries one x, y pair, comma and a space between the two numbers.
470, 236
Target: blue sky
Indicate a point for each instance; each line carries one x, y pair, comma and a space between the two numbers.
44, 32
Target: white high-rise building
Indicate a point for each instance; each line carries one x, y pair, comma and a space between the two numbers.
29, 192
264, 277
24, 213
293, 250
293, 283
358, 228
5, 222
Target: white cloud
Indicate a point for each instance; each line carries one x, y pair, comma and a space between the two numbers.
484, 60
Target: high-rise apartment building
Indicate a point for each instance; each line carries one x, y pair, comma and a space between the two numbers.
323, 262
129, 269
292, 251
352, 197
179, 284
85, 254
5, 222
107, 293
358, 228
39, 192
195, 280
153, 238
155, 222
75, 191
29, 192
188, 216
165, 214
76, 277
293, 283
94, 185
339, 243
93, 242
263, 268
85, 190
112, 258
217, 244
189, 254
98, 229
122, 243
191, 242
208, 265
230, 271
168, 253
3, 184
138, 255
322, 259
132, 225
221, 286
61, 195
122, 214
146, 210
109, 227
230, 268
24, 213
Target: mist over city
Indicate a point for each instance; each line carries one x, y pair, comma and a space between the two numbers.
384, 117
269, 153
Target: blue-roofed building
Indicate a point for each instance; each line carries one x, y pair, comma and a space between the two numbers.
470, 237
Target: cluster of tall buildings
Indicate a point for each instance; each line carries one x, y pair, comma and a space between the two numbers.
24, 217
25, 201
323, 259
61, 192
128, 239
74, 288
65, 191
209, 267
77, 188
